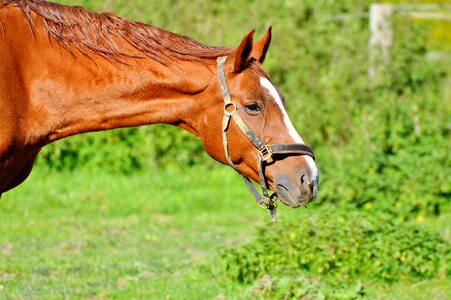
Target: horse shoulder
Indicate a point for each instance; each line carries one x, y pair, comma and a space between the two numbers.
17, 151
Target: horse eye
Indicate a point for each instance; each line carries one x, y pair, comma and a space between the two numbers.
252, 108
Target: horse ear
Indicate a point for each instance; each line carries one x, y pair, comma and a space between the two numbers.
243, 51
261, 46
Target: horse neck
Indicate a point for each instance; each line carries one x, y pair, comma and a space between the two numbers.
66, 93
83, 95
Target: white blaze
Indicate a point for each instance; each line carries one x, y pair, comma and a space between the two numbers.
275, 95
291, 130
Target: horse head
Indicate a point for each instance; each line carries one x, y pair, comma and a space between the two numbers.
258, 138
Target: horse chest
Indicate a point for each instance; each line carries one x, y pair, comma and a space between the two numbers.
15, 166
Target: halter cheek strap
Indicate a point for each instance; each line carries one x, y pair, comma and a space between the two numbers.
265, 153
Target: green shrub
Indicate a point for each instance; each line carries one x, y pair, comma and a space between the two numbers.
344, 247
291, 288
126, 150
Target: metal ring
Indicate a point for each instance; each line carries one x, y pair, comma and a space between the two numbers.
227, 106
262, 205
267, 203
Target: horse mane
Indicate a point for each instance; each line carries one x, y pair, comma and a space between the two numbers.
103, 34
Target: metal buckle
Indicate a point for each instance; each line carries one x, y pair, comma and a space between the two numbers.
274, 205
265, 153
268, 203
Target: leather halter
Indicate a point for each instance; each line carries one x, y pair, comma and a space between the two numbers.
266, 153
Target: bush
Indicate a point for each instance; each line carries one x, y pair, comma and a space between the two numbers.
341, 250
288, 288
126, 150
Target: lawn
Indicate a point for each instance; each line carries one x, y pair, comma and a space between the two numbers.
107, 236
80, 235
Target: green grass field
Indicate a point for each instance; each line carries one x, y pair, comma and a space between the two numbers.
143, 236
104, 236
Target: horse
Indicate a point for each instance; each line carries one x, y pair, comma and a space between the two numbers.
66, 71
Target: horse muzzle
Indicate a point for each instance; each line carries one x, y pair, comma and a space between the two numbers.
298, 189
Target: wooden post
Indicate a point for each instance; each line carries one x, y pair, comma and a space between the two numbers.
381, 38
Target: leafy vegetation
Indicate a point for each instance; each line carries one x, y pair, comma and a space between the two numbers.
335, 256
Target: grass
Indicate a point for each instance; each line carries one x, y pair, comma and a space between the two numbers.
110, 236
82, 235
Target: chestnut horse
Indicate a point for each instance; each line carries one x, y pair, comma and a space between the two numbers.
66, 71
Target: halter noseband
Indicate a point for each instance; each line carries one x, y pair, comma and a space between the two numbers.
265, 152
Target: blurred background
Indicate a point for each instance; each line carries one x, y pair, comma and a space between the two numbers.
144, 212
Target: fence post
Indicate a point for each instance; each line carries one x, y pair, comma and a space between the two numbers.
381, 38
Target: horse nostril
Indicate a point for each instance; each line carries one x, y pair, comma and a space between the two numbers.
309, 185
313, 186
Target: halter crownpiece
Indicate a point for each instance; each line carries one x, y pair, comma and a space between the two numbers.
265, 152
